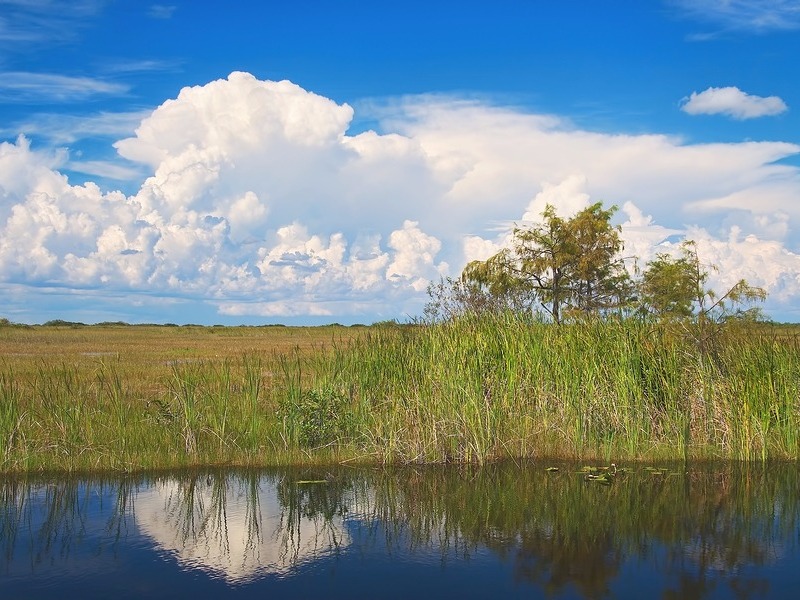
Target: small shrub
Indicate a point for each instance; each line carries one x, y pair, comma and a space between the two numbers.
319, 417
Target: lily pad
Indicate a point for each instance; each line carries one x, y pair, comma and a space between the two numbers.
604, 479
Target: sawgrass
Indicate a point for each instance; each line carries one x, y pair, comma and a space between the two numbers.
482, 389
471, 391
142, 397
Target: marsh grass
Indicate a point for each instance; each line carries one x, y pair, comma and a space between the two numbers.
10, 416
481, 389
469, 391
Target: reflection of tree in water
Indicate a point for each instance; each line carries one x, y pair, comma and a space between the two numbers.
706, 529
740, 517
520, 514
556, 561
709, 524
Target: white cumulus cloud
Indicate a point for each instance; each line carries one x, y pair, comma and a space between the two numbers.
260, 203
732, 102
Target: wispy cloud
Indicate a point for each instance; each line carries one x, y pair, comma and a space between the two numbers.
106, 170
139, 66
62, 129
20, 86
732, 102
43, 21
756, 16
161, 11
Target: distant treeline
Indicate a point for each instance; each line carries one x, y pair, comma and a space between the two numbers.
4, 322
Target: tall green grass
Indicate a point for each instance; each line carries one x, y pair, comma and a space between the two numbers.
469, 391
480, 389
69, 417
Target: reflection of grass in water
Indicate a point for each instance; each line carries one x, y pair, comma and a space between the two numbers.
14, 501
52, 517
197, 506
253, 516
559, 529
184, 507
124, 506
713, 521
321, 503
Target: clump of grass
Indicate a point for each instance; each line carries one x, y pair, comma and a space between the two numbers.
10, 417
63, 409
318, 417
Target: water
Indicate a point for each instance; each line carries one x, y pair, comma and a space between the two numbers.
702, 531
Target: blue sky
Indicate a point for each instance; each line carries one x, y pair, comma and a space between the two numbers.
313, 162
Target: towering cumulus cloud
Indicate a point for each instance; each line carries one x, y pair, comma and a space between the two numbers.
261, 203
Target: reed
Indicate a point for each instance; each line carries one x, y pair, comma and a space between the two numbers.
481, 389
10, 416
469, 391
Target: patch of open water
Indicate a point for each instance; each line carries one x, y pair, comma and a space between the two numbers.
501, 531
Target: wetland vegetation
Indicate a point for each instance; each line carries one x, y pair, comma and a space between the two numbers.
475, 389
550, 348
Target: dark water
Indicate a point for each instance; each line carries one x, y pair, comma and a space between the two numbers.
702, 531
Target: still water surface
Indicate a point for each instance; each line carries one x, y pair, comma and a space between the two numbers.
502, 531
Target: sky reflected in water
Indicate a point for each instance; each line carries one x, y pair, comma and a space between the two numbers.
702, 531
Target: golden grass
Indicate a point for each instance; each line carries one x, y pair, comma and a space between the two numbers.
110, 397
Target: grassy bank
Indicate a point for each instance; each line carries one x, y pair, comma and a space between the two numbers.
482, 389
476, 390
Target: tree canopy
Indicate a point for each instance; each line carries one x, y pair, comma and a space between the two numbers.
675, 287
565, 268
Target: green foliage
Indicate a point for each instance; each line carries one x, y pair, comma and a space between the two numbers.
63, 323
675, 287
386, 323
668, 287
450, 299
569, 267
319, 417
